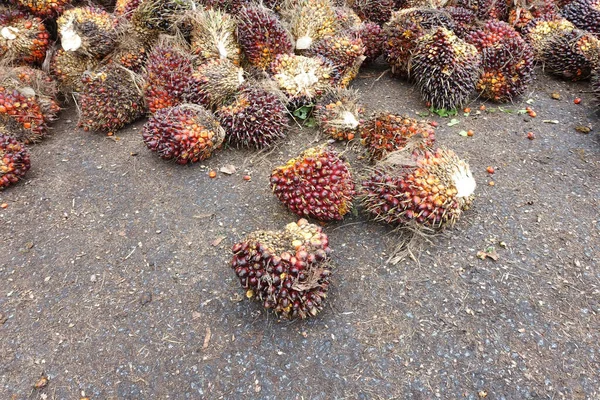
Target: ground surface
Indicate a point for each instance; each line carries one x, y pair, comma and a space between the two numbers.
114, 275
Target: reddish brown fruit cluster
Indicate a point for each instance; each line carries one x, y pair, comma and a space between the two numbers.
27, 103
110, 99
45, 8
464, 20
67, 68
339, 114
430, 189
255, 119
508, 61
378, 11
167, 77
131, 52
262, 36
346, 53
584, 14
316, 184
486, 9
571, 55
385, 133
187, 133
373, 38
14, 160
287, 271
23, 38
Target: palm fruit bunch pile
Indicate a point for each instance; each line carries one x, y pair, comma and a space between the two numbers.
541, 30
386, 133
88, 31
464, 20
44, 8
584, 14
111, 97
428, 189
186, 133
507, 61
377, 11
572, 55
345, 51
213, 35
14, 159
485, 9
445, 68
287, 271
316, 184
310, 20
256, 118
27, 103
262, 36
23, 38
339, 114
214, 82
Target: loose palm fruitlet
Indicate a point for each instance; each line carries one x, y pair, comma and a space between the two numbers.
378, 11
541, 30
213, 83
385, 133
44, 8
88, 31
404, 29
302, 79
287, 271
316, 184
428, 189
111, 98
584, 14
507, 61
310, 20
262, 36
346, 53
213, 35
446, 68
68, 67
572, 55
27, 103
14, 160
23, 38
187, 133
256, 118
339, 114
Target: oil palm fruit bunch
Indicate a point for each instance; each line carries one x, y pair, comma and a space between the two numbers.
213, 35
339, 114
167, 74
287, 271
429, 189
507, 60
485, 9
186, 133
302, 79
373, 37
446, 68
385, 133
464, 20
111, 97
131, 52
68, 67
44, 8
88, 31
378, 11
584, 14
262, 36
404, 29
125, 8
540, 30
214, 82
347, 18
345, 51
27, 103
155, 17
310, 20
572, 55
316, 184
23, 38
14, 160
256, 118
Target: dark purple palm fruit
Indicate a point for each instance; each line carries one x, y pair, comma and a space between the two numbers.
584, 14
316, 184
186, 133
486, 9
256, 118
287, 271
14, 159
464, 20
378, 11
571, 55
373, 37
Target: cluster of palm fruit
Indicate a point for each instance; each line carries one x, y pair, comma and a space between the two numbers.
14, 159
287, 271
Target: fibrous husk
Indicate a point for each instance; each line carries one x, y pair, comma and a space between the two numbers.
339, 113
310, 20
213, 35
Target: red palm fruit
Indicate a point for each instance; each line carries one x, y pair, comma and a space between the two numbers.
373, 38
464, 20
14, 160
287, 271
111, 97
262, 36
125, 8
186, 133
485, 9
23, 38
44, 8
426, 189
339, 114
131, 52
540, 30
316, 184
385, 133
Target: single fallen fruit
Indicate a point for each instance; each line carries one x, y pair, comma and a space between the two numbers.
14, 161
286, 270
577, 100
427, 189
490, 170
316, 184
530, 135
